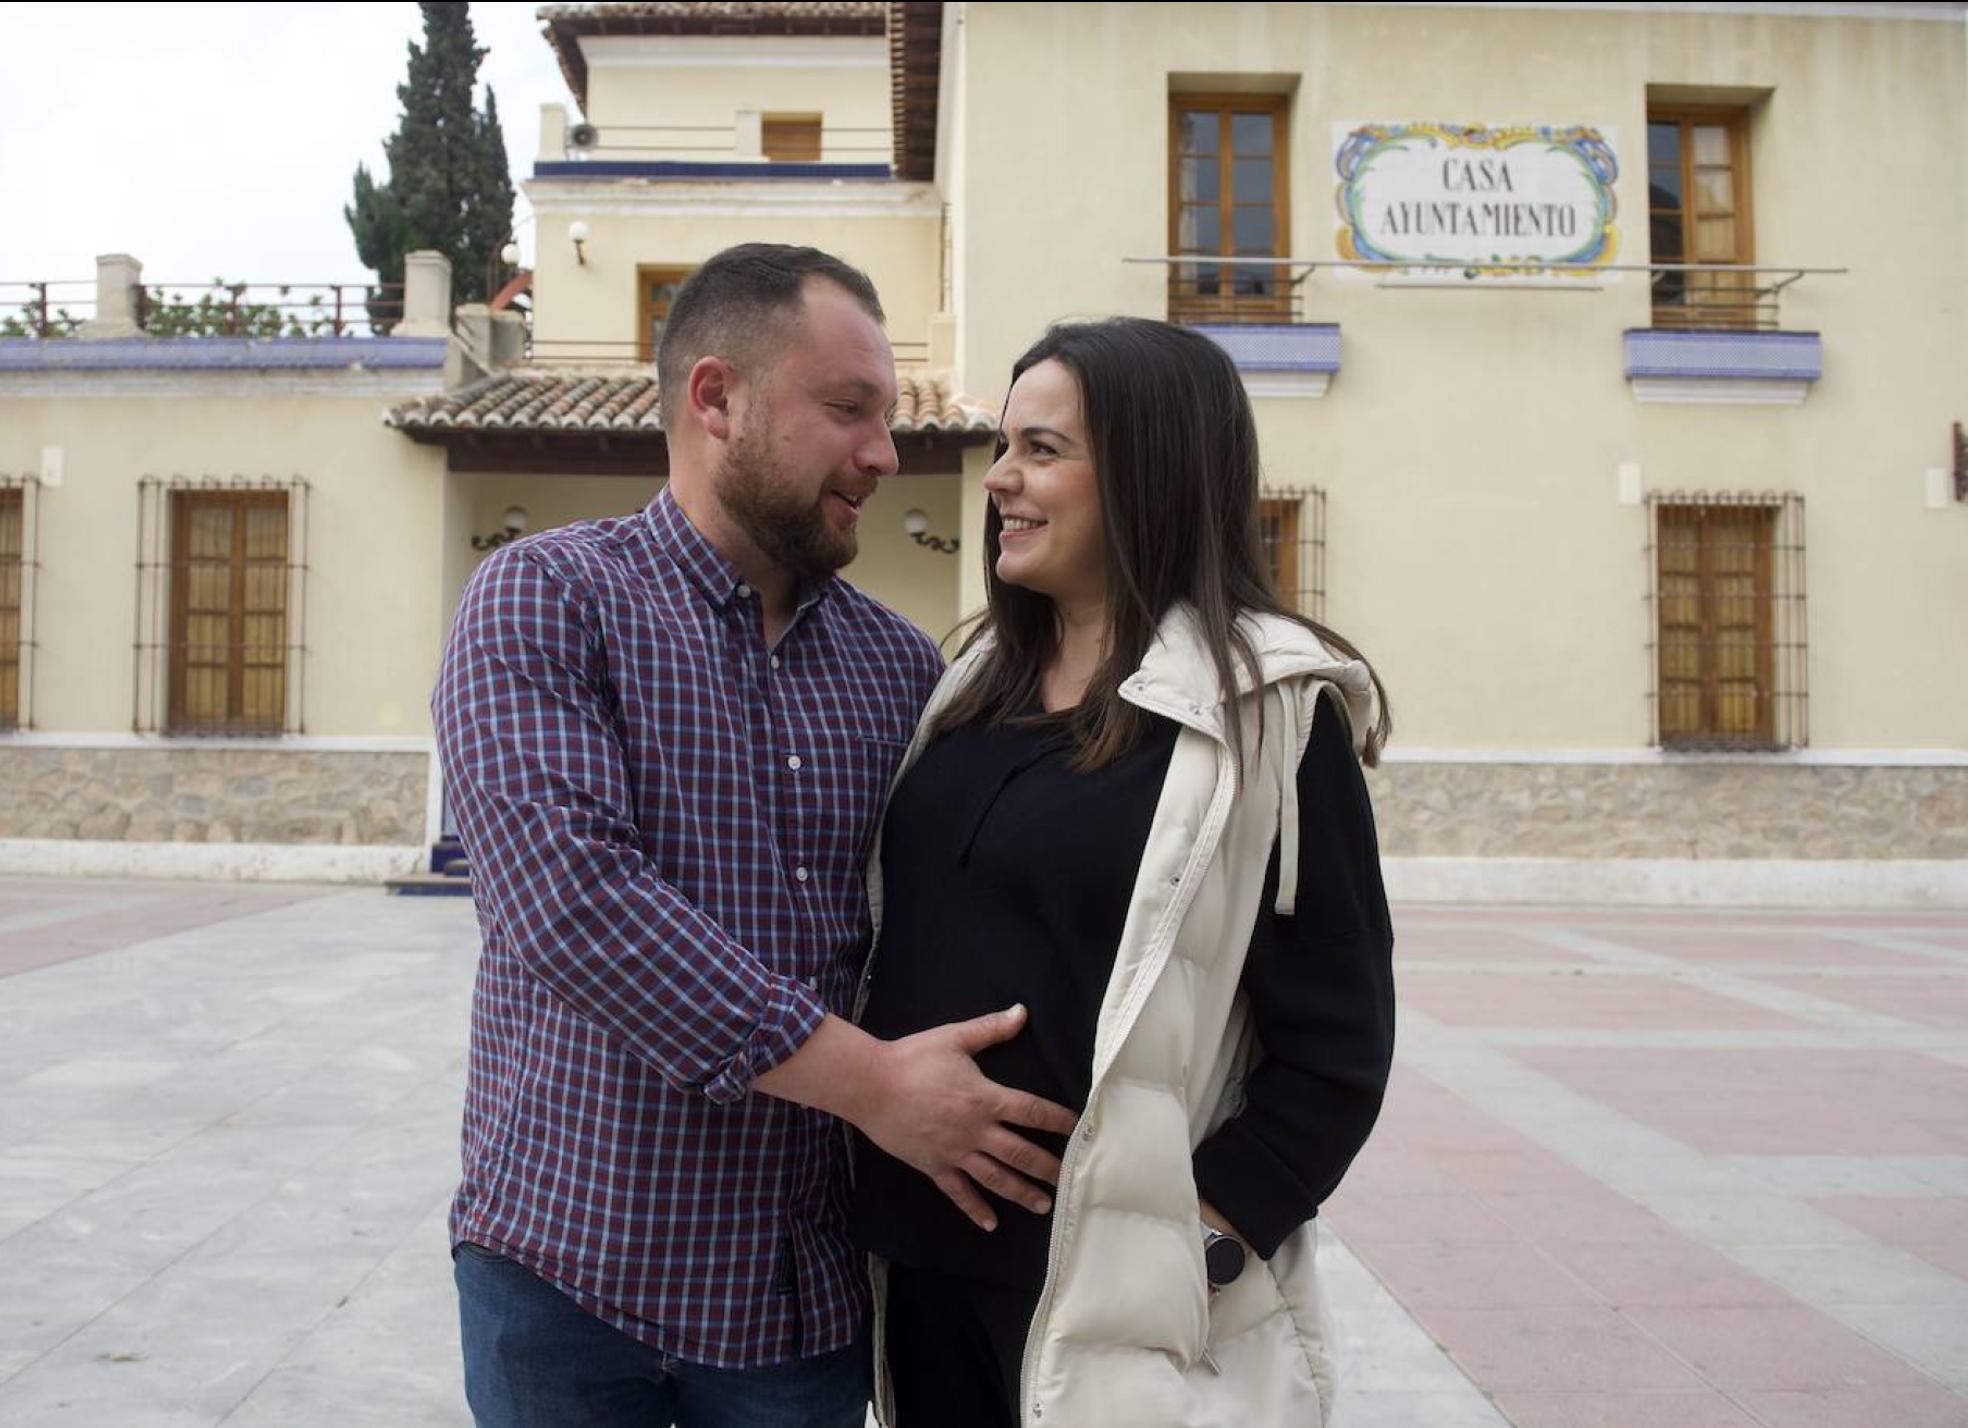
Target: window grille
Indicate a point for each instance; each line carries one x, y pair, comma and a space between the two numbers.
1726, 594
221, 618
20, 511
1291, 524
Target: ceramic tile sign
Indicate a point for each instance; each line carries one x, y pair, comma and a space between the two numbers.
1477, 196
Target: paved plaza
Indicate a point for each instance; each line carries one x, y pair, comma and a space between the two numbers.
1637, 1169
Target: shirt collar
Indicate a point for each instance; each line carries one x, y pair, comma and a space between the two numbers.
708, 569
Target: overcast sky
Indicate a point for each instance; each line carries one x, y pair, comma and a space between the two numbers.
221, 139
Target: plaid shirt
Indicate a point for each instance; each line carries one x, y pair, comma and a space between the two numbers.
667, 826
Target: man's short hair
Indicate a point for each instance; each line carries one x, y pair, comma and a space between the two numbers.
737, 303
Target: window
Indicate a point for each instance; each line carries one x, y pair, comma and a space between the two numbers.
656, 289
1729, 622
1291, 527
1228, 165
228, 611
790, 138
1699, 212
13, 566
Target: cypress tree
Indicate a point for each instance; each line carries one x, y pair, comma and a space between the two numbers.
448, 185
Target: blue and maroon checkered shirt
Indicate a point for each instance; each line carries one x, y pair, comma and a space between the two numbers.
667, 825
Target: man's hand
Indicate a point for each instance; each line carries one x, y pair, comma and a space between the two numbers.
922, 1099
951, 1122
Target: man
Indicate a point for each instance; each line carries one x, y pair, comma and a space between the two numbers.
667, 738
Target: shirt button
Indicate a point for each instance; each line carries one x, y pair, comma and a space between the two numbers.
744, 592
801, 874
775, 661
793, 763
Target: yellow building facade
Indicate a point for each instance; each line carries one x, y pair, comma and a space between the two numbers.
1606, 361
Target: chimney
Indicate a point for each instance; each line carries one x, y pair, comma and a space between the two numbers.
553, 133
426, 295
117, 277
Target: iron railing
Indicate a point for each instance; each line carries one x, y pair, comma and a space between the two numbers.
1703, 296
20, 520
628, 352
270, 309
851, 143
209, 309
1291, 523
46, 309
1241, 293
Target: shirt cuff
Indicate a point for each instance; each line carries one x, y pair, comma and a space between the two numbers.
1251, 1188
793, 1012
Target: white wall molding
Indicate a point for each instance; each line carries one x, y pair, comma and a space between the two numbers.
732, 198
1804, 758
166, 743
1720, 391
314, 382
232, 862
1681, 882
1287, 384
1789, 9
735, 51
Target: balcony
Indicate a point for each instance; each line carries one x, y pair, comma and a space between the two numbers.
1723, 367
1724, 344
753, 147
1253, 309
1716, 338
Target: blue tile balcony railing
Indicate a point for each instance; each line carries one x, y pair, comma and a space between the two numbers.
689, 170
1279, 359
223, 354
1665, 365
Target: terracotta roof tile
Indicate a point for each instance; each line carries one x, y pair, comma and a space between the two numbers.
738, 10
536, 400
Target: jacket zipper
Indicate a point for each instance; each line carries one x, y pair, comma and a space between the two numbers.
1204, 848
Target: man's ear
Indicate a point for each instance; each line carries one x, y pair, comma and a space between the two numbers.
712, 385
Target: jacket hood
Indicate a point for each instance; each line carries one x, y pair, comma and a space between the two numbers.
1178, 679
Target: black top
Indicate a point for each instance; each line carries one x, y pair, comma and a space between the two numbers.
1006, 878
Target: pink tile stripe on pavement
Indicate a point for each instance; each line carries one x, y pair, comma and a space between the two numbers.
1572, 1304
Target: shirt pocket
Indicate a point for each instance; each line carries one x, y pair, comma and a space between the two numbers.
851, 774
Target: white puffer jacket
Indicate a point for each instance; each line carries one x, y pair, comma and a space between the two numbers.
1126, 1335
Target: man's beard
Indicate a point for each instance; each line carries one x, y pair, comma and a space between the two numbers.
790, 530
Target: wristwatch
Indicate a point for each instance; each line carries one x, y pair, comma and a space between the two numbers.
1224, 1257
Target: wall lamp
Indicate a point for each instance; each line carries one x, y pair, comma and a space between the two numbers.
916, 523
512, 527
578, 231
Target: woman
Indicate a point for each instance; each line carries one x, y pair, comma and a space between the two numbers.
1183, 890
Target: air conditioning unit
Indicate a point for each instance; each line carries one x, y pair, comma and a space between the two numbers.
583, 136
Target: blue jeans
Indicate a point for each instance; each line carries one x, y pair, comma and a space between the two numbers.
535, 1359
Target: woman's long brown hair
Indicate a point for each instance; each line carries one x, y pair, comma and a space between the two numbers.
1175, 458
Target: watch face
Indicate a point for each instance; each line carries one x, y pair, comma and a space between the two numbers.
1224, 1259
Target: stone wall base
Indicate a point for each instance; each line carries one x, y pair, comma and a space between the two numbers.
220, 794
1680, 882
218, 862
1699, 810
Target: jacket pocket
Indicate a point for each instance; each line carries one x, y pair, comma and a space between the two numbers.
1245, 1303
